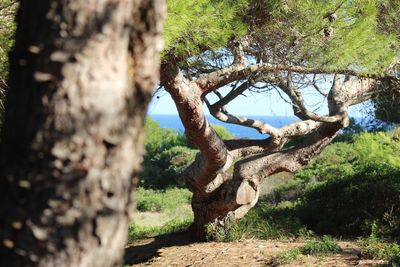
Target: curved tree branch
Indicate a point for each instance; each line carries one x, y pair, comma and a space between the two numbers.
214, 154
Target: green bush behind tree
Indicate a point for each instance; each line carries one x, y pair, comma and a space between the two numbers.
346, 190
168, 153
354, 185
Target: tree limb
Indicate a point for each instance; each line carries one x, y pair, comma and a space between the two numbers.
217, 79
214, 154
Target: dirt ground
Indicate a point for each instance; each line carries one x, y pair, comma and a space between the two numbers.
180, 250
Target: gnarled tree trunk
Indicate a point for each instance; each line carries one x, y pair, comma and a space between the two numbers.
82, 73
219, 197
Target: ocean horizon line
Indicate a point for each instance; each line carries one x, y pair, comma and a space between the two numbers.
173, 121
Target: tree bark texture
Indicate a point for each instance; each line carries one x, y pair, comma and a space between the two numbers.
81, 75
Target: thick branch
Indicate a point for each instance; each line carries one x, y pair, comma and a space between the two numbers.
350, 92
240, 148
290, 160
246, 147
214, 154
217, 79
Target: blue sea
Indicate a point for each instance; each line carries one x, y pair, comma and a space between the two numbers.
174, 122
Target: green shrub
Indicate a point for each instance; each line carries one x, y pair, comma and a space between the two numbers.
167, 155
290, 191
336, 160
323, 246
347, 205
222, 132
373, 247
378, 150
348, 133
354, 185
158, 139
165, 168
166, 200
369, 150
346, 189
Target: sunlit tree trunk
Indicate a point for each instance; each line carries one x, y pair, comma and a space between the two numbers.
81, 75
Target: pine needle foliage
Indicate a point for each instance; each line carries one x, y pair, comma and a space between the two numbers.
333, 35
194, 26
7, 28
362, 35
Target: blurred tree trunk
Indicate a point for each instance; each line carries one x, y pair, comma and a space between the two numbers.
81, 75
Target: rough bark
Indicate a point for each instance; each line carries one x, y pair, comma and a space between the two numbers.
81, 75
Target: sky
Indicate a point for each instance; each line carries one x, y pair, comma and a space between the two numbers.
260, 104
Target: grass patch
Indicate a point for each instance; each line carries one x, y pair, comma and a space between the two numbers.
264, 222
316, 247
324, 246
287, 256
161, 200
164, 205
176, 225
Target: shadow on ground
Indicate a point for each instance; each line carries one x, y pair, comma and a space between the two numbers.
144, 250
180, 250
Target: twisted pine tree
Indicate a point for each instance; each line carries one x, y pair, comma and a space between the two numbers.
341, 50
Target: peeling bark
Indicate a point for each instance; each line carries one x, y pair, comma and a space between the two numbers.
81, 75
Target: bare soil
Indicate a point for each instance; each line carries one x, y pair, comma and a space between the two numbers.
180, 250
